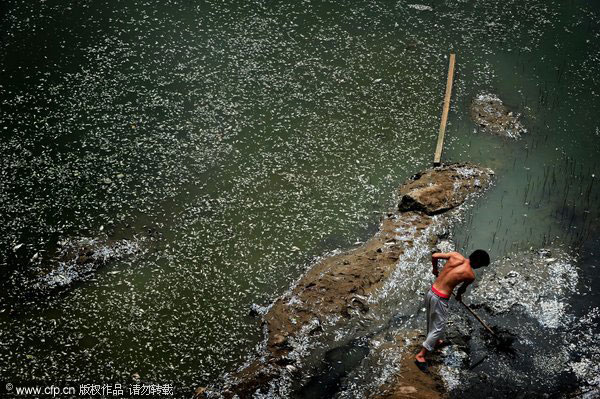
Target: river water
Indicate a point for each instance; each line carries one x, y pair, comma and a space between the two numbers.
235, 142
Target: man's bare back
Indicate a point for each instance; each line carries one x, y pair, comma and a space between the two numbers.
456, 270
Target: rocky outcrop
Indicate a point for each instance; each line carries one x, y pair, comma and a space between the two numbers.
488, 111
439, 190
338, 288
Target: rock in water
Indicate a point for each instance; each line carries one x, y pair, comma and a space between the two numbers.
441, 189
200, 392
488, 111
407, 390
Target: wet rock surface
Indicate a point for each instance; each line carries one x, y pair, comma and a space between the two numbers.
338, 291
439, 190
488, 111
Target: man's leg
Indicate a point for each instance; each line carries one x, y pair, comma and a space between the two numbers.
437, 313
420, 357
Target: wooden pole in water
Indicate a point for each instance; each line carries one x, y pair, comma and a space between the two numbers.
440, 142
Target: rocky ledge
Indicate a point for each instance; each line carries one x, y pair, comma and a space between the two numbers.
341, 287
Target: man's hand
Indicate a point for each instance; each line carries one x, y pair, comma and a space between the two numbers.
462, 289
434, 262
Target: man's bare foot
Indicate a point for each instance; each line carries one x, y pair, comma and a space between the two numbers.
421, 363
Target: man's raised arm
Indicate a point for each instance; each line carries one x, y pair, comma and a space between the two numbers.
434, 260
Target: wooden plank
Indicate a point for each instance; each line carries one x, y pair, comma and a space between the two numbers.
440, 142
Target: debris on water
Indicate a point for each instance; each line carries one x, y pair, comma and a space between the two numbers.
529, 281
237, 126
420, 7
454, 361
488, 111
257, 310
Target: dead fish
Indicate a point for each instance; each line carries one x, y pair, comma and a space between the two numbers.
34, 257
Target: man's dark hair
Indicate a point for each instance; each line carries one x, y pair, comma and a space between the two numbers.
479, 258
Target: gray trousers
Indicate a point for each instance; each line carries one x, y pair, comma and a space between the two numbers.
437, 314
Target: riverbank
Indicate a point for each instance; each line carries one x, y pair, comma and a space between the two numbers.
350, 326
340, 289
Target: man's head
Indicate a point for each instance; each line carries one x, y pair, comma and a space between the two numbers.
479, 258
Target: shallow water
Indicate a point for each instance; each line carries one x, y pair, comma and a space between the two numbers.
254, 137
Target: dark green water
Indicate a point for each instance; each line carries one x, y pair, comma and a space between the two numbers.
255, 136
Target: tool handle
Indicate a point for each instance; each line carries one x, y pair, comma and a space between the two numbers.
478, 318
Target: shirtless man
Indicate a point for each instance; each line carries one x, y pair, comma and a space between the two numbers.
457, 269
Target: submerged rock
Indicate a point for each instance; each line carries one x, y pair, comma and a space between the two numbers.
200, 392
488, 111
53, 269
78, 258
46, 269
337, 291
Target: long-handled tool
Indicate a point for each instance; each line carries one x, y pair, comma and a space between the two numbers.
479, 319
503, 341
